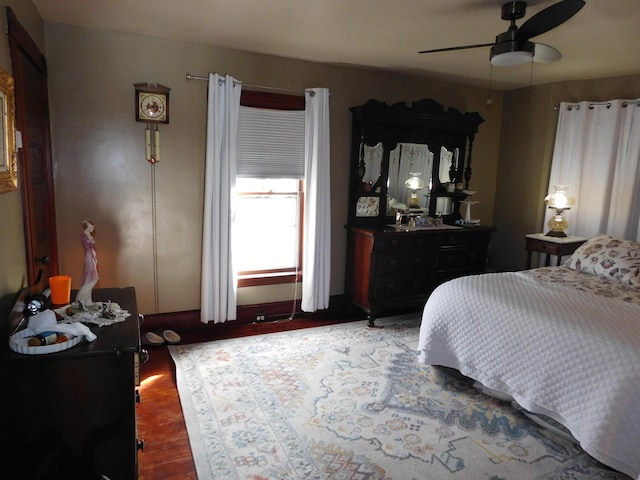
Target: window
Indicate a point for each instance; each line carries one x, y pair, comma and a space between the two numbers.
270, 188
268, 226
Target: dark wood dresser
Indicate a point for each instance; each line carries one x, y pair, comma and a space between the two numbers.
411, 165
72, 414
389, 270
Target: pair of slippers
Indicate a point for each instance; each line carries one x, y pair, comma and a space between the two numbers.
161, 337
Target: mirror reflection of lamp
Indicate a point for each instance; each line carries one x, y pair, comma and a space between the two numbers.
558, 201
414, 183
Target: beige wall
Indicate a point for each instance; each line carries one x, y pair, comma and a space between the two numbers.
528, 132
101, 173
13, 268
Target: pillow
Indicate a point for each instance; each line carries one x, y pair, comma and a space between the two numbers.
610, 257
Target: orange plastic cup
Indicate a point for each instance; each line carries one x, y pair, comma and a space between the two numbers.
60, 286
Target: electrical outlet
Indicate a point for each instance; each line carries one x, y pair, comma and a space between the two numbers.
259, 317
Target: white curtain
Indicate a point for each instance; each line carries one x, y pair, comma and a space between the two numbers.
219, 278
597, 153
316, 257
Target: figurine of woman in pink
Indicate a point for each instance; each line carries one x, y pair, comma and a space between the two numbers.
90, 275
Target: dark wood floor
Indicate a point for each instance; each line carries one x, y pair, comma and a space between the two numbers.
166, 453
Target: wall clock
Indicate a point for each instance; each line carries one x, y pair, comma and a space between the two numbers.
152, 103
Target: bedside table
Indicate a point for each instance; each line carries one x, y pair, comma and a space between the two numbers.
558, 246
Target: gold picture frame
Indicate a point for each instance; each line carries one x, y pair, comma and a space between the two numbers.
8, 152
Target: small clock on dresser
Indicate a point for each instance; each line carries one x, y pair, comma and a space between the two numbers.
152, 103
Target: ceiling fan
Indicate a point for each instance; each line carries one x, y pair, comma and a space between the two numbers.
514, 47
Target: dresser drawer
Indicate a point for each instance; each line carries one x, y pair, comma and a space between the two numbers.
553, 248
470, 258
418, 260
392, 286
405, 241
468, 236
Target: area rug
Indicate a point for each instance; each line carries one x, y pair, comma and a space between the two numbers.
350, 402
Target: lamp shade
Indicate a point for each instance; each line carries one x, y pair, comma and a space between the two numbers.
559, 200
511, 52
509, 59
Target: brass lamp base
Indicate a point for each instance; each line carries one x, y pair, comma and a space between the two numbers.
554, 233
558, 225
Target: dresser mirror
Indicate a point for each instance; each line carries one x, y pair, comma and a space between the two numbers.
404, 156
405, 161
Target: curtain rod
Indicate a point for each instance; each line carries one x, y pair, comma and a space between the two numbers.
266, 87
626, 103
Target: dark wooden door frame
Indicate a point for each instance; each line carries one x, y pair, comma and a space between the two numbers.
41, 262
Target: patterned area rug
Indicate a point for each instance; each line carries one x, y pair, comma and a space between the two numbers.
349, 402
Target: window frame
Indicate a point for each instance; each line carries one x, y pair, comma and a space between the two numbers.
251, 278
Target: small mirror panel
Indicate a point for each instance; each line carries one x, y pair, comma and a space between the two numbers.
444, 206
448, 165
371, 163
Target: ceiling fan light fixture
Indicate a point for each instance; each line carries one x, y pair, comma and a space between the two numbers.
514, 47
509, 54
545, 54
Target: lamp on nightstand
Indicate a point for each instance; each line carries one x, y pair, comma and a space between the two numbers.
558, 201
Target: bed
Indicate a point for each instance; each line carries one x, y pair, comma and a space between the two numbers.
563, 342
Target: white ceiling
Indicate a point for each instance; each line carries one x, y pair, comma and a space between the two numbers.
601, 40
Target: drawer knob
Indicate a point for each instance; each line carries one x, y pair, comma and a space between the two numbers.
139, 444
144, 355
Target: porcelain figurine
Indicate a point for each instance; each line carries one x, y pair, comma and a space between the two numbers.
90, 275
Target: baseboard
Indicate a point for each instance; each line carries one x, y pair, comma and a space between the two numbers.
272, 312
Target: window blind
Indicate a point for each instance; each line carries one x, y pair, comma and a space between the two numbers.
270, 143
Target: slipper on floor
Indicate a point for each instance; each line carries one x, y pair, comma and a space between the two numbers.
153, 339
169, 336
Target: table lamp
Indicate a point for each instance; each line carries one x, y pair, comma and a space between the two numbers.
558, 201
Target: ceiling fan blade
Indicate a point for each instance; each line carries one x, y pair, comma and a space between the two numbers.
463, 47
545, 54
549, 18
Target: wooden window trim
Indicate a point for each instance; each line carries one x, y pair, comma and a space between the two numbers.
264, 278
273, 101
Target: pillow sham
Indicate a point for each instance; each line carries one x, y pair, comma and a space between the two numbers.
610, 257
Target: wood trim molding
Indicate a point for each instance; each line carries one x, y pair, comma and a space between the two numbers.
274, 101
275, 311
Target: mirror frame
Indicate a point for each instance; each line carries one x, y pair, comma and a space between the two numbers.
8, 152
422, 122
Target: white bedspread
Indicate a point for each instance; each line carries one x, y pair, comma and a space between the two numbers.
569, 354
